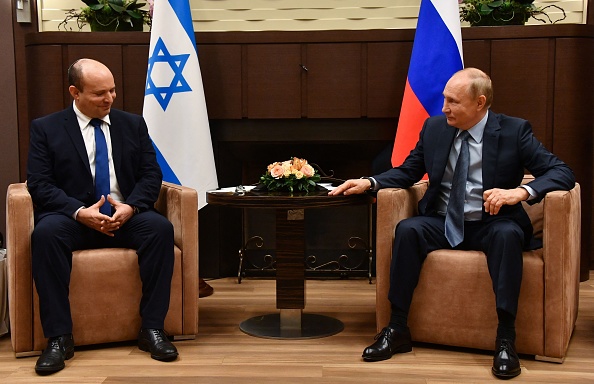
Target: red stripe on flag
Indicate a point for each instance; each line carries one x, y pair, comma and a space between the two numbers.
412, 117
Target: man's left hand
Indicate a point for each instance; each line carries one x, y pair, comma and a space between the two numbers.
123, 212
496, 198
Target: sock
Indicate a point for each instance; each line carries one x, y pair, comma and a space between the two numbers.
399, 320
506, 329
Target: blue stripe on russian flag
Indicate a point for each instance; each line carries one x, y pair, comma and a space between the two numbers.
435, 57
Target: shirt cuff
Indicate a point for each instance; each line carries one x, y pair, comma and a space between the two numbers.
530, 191
75, 214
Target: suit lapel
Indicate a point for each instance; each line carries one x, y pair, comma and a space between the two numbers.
490, 150
116, 142
73, 130
444, 135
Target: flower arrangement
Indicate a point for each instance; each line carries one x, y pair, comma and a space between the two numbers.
503, 12
290, 175
109, 15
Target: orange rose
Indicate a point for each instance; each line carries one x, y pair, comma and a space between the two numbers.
308, 170
277, 170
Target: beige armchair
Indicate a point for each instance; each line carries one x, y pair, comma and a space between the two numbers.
454, 303
105, 287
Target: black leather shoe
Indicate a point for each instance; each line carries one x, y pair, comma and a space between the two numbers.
506, 363
156, 342
387, 343
58, 350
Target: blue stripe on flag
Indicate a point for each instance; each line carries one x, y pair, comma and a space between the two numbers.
168, 174
184, 14
435, 58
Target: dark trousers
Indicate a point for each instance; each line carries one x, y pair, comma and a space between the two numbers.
501, 239
56, 236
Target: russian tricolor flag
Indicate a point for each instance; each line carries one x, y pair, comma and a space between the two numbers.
436, 56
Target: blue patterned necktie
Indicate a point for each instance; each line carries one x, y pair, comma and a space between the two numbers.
101, 167
454, 222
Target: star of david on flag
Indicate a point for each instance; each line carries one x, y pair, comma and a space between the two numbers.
174, 103
178, 82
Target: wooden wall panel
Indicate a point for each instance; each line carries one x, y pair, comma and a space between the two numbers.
519, 71
45, 75
221, 76
133, 82
334, 80
387, 68
477, 54
273, 81
573, 123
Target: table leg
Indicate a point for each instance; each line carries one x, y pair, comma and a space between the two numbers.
291, 323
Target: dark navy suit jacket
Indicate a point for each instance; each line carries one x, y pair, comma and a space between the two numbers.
58, 173
509, 148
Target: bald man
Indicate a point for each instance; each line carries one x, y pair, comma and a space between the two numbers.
93, 176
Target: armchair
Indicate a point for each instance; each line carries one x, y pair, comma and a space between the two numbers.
548, 303
105, 286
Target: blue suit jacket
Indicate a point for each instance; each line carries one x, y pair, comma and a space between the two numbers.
509, 148
58, 173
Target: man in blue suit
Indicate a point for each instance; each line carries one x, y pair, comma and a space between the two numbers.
71, 213
498, 150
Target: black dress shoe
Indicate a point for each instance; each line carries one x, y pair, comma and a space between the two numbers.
506, 363
387, 343
58, 350
156, 342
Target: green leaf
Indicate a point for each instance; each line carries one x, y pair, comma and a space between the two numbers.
117, 8
485, 9
134, 14
96, 7
91, 2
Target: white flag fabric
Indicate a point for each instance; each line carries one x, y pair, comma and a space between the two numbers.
174, 105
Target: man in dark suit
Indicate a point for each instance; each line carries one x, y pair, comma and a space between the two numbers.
64, 177
498, 149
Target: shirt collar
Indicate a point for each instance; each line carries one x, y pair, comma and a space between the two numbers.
84, 120
476, 132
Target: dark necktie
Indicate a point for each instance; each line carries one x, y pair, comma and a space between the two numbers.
101, 167
454, 222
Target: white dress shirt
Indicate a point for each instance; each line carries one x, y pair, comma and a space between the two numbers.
88, 134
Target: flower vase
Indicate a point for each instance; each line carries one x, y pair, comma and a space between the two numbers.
517, 19
114, 26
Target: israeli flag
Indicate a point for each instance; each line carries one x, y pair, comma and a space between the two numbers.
174, 104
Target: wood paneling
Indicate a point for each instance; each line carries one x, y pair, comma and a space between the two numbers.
273, 81
334, 80
45, 78
134, 82
387, 68
520, 81
221, 76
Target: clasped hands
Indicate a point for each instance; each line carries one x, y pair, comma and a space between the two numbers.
494, 198
92, 218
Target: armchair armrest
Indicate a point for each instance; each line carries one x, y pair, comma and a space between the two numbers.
393, 206
180, 205
561, 254
19, 226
